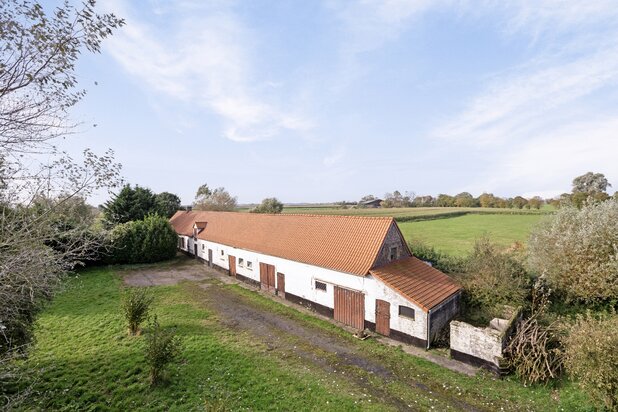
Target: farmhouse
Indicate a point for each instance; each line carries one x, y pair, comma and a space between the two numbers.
357, 270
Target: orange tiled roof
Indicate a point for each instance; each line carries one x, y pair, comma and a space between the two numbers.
344, 243
417, 281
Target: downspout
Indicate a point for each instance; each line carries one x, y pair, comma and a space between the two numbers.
428, 327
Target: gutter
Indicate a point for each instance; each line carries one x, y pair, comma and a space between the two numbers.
428, 327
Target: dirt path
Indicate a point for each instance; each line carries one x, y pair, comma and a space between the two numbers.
290, 338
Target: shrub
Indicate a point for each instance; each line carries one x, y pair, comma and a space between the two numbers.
577, 250
162, 348
135, 305
441, 261
591, 357
143, 241
494, 278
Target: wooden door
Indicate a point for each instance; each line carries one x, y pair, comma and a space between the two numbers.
210, 257
267, 277
350, 307
281, 285
232, 262
383, 317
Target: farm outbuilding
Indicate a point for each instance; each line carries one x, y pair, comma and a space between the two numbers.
357, 270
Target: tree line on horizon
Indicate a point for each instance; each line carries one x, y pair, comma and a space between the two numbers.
587, 186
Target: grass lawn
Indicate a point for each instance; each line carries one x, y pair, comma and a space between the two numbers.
84, 360
456, 235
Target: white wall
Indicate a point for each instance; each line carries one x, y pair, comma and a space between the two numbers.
300, 281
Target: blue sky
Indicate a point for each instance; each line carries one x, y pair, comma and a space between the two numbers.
314, 101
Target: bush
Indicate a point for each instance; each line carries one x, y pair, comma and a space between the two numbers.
135, 305
591, 357
441, 261
162, 348
143, 241
494, 278
577, 250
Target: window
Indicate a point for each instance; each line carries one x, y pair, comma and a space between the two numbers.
249, 265
222, 254
202, 246
393, 253
241, 262
320, 285
406, 311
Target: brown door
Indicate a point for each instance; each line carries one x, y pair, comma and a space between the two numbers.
350, 307
383, 317
232, 261
210, 257
281, 285
267, 277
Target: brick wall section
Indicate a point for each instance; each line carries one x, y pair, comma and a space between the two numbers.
393, 238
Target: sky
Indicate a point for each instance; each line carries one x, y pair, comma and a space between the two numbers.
320, 101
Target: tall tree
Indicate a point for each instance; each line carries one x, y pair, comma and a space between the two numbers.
269, 205
465, 199
38, 88
590, 183
128, 205
216, 200
166, 204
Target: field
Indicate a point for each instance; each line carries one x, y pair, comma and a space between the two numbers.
84, 360
450, 230
456, 235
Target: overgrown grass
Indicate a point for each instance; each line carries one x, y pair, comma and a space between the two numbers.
83, 360
456, 236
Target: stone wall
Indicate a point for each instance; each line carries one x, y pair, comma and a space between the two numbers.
483, 347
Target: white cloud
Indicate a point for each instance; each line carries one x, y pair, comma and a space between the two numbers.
204, 58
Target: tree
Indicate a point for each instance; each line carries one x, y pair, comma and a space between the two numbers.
445, 200
519, 202
37, 77
269, 205
487, 200
166, 204
464, 199
129, 204
216, 200
38, 88
536, 202
590, 183
576, 250
423, 201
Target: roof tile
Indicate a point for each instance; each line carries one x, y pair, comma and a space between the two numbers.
417, 281
348, 244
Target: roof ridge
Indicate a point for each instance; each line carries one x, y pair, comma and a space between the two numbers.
335, 216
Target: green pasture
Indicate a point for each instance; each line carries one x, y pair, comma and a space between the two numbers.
84, 360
